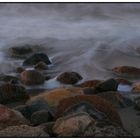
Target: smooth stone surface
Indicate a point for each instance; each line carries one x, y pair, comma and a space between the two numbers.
69, 78
108, 85
41, 66
32, 77
40, 117
54, 96
72, 125
10, 117
98, 102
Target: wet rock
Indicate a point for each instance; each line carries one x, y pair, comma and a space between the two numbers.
99, 103
20, 51
90, 83
136, 87
123, 81
117, 99
108, 85
10, 117
54, 96
12, 93
127, 71
85, 107
8, 79
82, 125
40, 117
20, 69
36, 58
41, 66
72, 125
69, 78
32, 77
22, 131
34, 106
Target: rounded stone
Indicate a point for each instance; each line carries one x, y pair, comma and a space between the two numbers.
69, 78
32, 77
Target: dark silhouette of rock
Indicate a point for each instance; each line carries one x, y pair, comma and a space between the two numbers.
20, 69
36, 58
40, 117
108, 85
12, 93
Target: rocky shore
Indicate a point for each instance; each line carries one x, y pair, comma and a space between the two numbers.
77, 108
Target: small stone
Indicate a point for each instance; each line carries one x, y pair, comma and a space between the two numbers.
69, 78
41, 66
32, 77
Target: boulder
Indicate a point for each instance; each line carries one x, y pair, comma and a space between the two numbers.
85, 107
31, 107
10, 117
69, 78
36, 58
72, 125
82, 125
41, 66
126, 71
42, 116
32, 77
98, 102
12, 93
108, 85
23, 131
90, 83
54, 96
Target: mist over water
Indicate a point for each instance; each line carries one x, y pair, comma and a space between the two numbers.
89, 38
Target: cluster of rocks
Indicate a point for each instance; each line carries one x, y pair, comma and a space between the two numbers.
87, 109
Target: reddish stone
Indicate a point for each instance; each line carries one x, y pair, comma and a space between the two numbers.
123, 81
99, 103
9, 117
